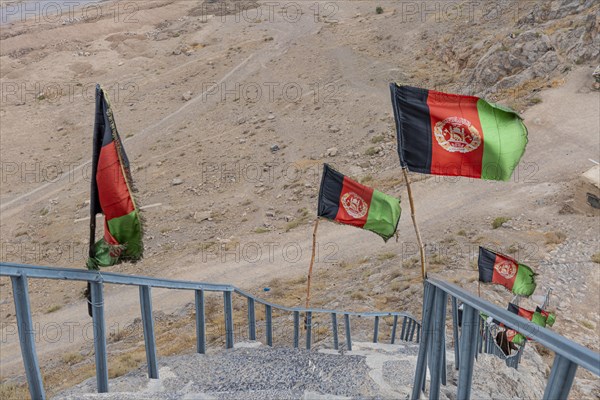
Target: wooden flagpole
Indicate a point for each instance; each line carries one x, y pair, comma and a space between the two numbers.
414, 220
312, 262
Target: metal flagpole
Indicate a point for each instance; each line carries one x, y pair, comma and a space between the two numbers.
414, 220
312, 262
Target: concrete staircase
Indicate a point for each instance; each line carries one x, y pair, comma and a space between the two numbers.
254, 371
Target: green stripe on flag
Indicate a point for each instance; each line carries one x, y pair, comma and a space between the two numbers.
127, 230
384, 213
538, 319
524, 282
504, 140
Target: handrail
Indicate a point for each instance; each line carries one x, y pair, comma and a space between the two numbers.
432, 350
35, 271
325, 311
557, 343
19, 274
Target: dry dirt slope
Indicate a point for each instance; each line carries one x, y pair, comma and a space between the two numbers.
214, 143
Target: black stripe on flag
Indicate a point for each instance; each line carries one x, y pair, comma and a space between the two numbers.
413, 127
329, 194
486, 262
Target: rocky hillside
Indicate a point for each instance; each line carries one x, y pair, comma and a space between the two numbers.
228, 163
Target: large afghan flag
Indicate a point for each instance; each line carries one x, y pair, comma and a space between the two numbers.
112, 193
343, 200
505, 271
449, 134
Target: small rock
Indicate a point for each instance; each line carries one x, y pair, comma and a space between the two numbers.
120, 63
275, 148
332, 152
177, 181
187, 96
200, 216
270, 214
242, 141
271, 117
60, 129
334, 129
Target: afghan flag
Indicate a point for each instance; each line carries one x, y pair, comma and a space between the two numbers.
534, 316
450, 134
505, 271
348, 202
112, 193
550, 317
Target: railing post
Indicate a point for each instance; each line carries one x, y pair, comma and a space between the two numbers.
403, 335
438, 344
200, 323
296, 329
99, 336
376, 330
427, 322
394, 326
148, 323
561, 378
251, 320
334, 331
455, 332
228, 319
27, 336
269, 324
468, 350
308, 329
348, 334
412, 330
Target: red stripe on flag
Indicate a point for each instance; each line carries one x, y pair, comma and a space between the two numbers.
457, 135
355, 200
505, 271
113, 192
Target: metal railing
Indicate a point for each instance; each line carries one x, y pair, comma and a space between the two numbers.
568, 354
410, 329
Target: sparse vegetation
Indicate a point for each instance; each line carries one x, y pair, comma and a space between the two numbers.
554, 237
358, 296
411, 263
499, 221
462, 232
72, 358
377, 139
438, 259
261, 229
587, 324
371, 151
379, 10
53, 308
385, 256
596, 258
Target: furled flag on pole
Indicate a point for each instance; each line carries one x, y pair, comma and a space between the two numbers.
534, 316
449, 134
343, 200
505, 271
111, 194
